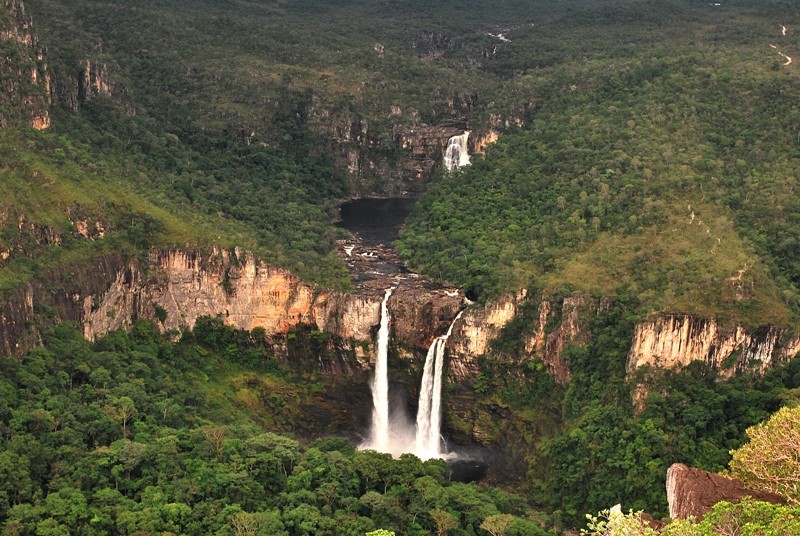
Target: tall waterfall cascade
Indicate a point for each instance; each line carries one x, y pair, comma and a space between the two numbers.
380, 439
429, 414
457, 154
392, 431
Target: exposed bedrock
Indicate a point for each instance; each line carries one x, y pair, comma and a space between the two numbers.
693, 492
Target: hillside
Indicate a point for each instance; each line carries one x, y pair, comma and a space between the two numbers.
646, 148
661, 164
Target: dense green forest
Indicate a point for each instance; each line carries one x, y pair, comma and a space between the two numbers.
660, 164
134, 434
646, 146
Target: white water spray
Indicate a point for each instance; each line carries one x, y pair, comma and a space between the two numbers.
396, 435
379, 433
428, 436
457, 153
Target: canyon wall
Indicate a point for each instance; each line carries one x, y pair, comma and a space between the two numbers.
397, 157
546, 335
178, 286
666, 341
674, 341
25, 92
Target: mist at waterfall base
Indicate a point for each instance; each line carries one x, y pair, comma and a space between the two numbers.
392, 431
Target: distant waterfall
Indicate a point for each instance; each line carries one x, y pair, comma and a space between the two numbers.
379, 437
429, 414
457, 153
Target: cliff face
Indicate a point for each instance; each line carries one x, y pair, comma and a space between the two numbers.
25, 93
394, 159
549, 332
675, 341
16, 335
180, 286
668, 341
31, 88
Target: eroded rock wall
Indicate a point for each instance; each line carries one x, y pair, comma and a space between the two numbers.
25, 92
112, 292
548, 333
16, 335
674, 341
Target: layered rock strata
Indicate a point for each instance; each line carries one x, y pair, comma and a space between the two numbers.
674, 341
548, 334
179, 286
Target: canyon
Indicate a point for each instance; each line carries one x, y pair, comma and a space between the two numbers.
175, 287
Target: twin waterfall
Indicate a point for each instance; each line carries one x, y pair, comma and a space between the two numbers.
456, 154
429, 413
396, 436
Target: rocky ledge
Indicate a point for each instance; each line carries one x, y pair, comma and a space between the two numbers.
693, 492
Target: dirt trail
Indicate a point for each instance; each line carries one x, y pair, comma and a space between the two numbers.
784, 56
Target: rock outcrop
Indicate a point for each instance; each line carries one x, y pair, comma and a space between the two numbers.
477, 327
675, 341
25, 93
16, 311
693, 492
179, 286
250, 294
548, 333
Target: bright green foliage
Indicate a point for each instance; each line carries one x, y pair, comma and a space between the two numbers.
746, 518
136, 433
614, 523
770, 460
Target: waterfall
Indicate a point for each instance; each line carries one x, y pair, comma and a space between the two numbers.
429, 414
379, 432
456, 154
399, 435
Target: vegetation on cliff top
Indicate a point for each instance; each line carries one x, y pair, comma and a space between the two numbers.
659, 160
655, 156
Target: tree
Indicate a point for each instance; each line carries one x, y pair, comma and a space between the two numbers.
215, 436
445, 522
497, 524
256, 524
770, 461
614, 523
122, 410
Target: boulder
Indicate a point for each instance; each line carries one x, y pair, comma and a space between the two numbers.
693, 492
